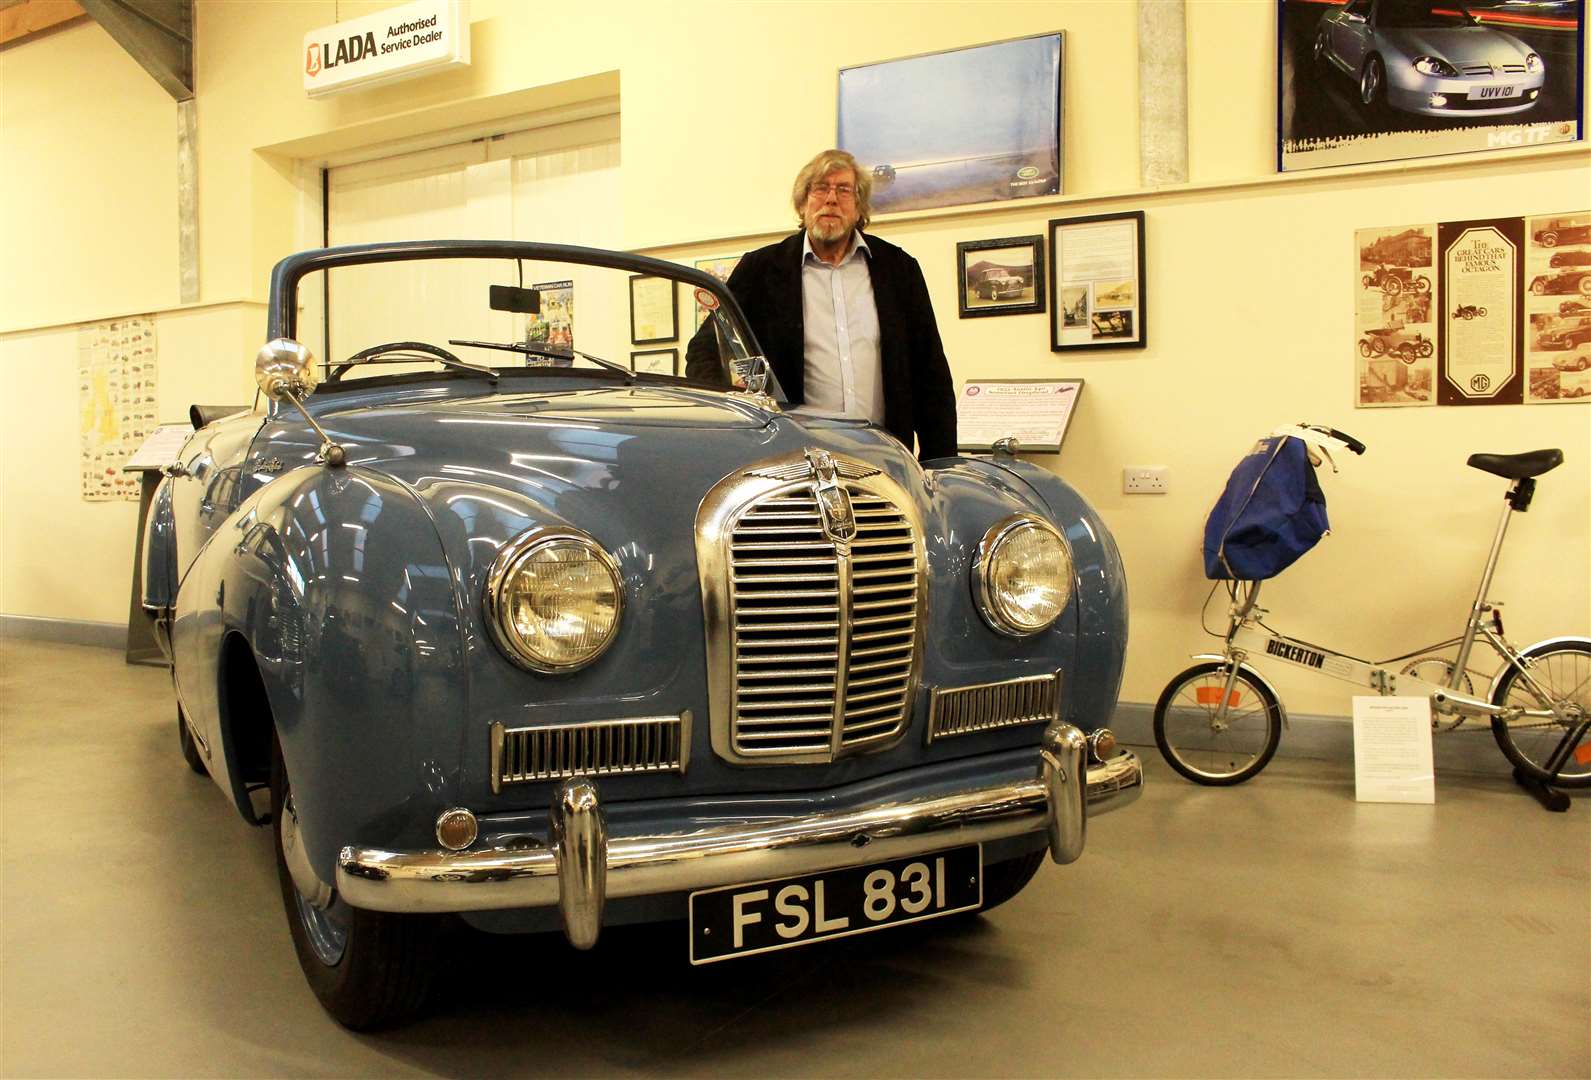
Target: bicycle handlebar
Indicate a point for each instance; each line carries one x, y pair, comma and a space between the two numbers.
1341, 436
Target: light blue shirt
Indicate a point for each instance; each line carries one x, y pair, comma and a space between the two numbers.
840, 319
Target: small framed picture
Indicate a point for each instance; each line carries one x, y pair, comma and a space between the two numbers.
720, 266
1097, 296
655, 362
1000, 277
654, 315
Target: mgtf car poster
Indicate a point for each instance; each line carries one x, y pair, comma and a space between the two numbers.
554, 325
116, 403
1385, 80
1480, 265
1393, 316
1558, 308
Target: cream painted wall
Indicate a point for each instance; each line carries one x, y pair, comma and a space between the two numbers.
1250, 284
61, 556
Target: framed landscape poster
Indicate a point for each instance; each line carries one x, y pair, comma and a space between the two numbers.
980, 124
1384, 80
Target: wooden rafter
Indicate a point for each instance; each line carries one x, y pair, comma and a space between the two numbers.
21, 19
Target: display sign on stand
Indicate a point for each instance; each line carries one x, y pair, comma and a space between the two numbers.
1034, 412
1392, 750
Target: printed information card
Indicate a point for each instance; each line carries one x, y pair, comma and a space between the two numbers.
1392, 750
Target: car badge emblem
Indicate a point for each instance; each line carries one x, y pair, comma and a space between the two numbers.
271, 465
834, 502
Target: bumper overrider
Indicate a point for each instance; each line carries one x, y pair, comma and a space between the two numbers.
582, 865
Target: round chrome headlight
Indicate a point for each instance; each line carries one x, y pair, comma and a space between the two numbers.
553, 600
1022, 578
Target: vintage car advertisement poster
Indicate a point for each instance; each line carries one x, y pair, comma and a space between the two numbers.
116, 403
1480, 269
1393, 316
1386, 80
554, 324
1558, 308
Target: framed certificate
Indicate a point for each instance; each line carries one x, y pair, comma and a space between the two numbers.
653, 313
1097, 283
655, 362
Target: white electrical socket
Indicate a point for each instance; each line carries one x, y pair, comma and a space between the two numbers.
1145, 480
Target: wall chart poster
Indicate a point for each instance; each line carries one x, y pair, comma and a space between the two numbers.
1558, 308
1481, 265
1388, 80
1393, 316
116, 403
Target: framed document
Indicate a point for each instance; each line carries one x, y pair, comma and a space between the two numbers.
1097, 283
1000, 277
1034, 412
655, 361
720, 266
653, 314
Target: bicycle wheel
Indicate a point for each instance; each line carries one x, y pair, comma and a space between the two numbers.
1205, 748
1563, 669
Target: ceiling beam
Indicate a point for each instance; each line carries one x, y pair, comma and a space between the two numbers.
156, 33
23, 18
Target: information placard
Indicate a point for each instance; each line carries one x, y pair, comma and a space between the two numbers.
1035, 412
1392, 750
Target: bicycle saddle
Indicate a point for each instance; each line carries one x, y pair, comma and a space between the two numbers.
1517, 466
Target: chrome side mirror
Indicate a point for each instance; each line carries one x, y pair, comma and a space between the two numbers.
285, 371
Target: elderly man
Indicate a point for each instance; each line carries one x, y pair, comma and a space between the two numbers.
844, 317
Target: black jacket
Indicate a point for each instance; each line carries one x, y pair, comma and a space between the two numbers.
919, 397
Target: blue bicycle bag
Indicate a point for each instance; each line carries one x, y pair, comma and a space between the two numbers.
1271, 512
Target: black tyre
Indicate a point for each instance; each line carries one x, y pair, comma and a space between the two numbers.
1563, 670
1364, 347
1201, 746
190, 748
1004, 880
370, 969
1373, 85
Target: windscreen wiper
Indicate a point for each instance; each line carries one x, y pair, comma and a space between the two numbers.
529, 348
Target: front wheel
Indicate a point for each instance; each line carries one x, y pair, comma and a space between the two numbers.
1422, 284
1426, 348
1207, 747
370, 969
1372, 85
1563, 671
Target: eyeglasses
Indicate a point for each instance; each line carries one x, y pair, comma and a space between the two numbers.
822, 189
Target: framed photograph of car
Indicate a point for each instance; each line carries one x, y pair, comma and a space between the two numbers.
1097, 280
978, 124
655, 361
1000, 277
1385, 80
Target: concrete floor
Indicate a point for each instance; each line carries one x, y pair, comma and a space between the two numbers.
1276, 929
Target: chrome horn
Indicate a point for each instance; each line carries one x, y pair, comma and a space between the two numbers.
285, 370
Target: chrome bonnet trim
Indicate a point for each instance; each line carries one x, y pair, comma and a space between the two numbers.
1052, 802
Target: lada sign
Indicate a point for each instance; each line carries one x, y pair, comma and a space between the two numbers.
399, 43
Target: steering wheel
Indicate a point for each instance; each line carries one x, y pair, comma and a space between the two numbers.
394, 346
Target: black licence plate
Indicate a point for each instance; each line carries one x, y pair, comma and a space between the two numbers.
739, 920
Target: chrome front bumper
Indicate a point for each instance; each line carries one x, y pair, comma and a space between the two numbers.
581, 865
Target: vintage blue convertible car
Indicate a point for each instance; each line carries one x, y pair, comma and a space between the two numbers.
547, 645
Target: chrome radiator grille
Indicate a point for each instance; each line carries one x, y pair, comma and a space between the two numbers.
648, 744
968, 709
814, 642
